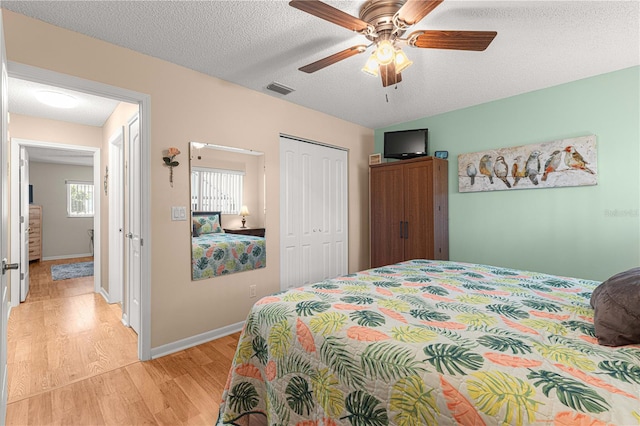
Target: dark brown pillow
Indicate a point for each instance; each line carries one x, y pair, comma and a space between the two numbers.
617, 309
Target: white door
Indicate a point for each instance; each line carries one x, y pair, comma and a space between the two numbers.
313, 212
330, 212
134, 226
25, 229
290, 218
114, 189
4, 208
304, 207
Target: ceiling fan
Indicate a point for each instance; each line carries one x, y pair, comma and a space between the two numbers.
384, 22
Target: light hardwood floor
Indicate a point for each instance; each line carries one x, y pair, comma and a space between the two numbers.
71, 361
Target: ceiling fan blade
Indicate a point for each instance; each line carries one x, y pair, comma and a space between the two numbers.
330, 13
330, 60
456, 40
414, 10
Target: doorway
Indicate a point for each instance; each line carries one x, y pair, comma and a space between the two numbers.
20, 189
54, 79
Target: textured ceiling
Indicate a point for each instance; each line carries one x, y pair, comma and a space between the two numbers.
252, 43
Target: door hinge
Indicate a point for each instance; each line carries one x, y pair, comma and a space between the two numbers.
21, 163
141, 242
21, 276
21, 219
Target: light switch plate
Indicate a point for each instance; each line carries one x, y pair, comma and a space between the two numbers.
178, 213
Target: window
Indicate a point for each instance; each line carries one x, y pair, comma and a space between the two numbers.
79, 199
216, 190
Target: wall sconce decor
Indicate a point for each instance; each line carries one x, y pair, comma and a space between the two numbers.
244, 212
169, 161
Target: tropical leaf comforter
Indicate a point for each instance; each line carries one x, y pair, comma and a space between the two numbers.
431, 342
221, 253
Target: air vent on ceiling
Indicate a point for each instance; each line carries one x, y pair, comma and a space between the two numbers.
280, 88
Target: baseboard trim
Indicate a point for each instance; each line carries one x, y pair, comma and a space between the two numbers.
67, 256
105, 295
189, 342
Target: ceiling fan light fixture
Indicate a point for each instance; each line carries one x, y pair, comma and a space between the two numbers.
371, 66
402, 61
385, 52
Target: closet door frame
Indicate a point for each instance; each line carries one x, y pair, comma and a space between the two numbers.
313, 212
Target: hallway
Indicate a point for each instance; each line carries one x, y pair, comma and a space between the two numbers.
62, 333
71, 361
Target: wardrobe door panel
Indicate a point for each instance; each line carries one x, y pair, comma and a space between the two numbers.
418, 210
387, 215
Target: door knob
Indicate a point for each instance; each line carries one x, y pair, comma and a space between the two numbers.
6, 266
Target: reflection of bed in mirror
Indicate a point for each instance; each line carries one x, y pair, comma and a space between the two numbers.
215, 252
230, 183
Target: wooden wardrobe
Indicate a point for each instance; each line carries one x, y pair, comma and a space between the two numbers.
409, 211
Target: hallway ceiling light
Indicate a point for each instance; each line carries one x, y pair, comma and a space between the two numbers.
56, 99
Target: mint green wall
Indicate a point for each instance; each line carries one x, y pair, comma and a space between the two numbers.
587, 232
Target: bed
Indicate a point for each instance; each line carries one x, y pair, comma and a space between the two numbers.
215, 252
431, 342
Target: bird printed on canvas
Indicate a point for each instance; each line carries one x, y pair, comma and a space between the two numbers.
501, 170
552, 164
532, 168
517, 169
486, 167
472, 172
574, 160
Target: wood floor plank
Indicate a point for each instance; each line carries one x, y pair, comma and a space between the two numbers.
197, 395
39, 411
153, 398
180, 403
72, 362
167, 417
18, 413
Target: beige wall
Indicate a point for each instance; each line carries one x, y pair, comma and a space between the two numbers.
43, 130
190, 106
62, 236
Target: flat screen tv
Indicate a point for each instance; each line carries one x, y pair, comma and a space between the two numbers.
404, 144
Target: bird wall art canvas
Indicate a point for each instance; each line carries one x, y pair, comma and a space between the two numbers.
565, 162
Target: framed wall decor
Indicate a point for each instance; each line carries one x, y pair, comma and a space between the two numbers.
375, 159
565, 162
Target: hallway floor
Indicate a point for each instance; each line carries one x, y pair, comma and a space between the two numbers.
72, 361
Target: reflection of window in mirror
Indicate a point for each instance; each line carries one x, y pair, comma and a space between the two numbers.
216, 190
224, 179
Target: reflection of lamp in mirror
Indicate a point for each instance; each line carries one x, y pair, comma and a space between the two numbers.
244, 212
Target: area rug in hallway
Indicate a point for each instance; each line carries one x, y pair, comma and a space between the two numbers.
71, 270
